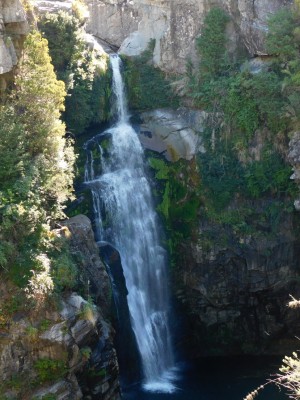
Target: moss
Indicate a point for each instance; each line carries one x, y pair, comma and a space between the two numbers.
164, 206
49, 370
178, 197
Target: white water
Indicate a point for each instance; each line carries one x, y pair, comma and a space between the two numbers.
122, 196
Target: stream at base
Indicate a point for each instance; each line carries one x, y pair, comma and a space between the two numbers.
219, 379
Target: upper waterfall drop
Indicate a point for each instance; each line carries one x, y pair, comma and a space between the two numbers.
126, 217
119, 89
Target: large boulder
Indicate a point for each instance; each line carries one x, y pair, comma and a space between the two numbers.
175, 134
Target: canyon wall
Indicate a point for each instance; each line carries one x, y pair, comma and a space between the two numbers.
129, 25
64, 348
235, 290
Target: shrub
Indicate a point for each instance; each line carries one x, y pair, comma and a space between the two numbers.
49, 370
62, 32
147, 86
211, 44
64, 271
86, 77
36, 178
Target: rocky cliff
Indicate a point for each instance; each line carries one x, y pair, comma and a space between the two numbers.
13, 28
129, 25
64, 349
235, 290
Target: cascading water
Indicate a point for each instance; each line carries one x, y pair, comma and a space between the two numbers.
122, 200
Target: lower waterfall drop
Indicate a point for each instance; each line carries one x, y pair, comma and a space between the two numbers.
122, 196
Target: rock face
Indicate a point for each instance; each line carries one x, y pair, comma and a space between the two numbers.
176, 24
236, 293
174, 134
64, 349
13, 28
101, 379
83, 245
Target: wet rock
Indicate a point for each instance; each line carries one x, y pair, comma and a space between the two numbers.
236, 292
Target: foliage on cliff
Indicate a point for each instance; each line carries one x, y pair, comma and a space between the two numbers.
246, 191
247, 134
37, 166
211, 44
179, 200
147, 87
84, 72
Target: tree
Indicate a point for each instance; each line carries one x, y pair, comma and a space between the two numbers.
36, 178
212, 43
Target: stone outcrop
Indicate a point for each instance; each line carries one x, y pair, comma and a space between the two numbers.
69, 335
235, 290
175, 134
13, 28
101, 379
84, 247
176, 24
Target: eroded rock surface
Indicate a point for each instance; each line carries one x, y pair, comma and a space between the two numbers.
176, 24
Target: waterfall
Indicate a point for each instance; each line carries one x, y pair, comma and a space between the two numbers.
123, 200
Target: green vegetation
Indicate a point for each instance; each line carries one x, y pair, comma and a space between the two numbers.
10, 302
84, 72
22, 384
211, 44
86, 353
49, 370
178, 192
241, 184
49, 397
247, 133
36, 181
147, 86
245, 189
63, 34
36, 178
